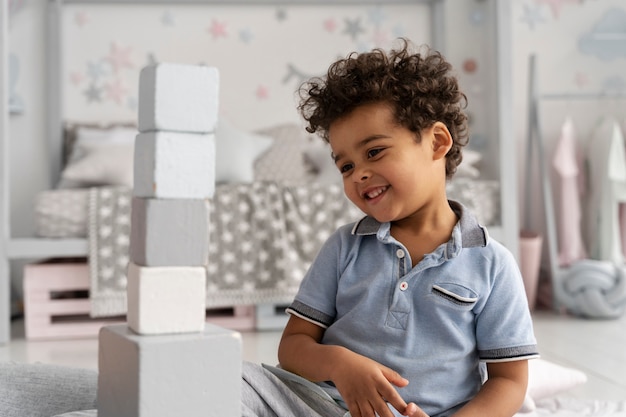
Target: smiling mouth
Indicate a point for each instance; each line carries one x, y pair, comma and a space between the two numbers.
370, 195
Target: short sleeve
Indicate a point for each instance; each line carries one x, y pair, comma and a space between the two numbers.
504, 329
315, 300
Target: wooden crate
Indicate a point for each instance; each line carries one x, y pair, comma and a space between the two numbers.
271, 316
57, 305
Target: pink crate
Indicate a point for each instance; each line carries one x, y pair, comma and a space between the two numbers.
56, 304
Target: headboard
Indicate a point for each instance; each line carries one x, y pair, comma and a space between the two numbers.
263, 49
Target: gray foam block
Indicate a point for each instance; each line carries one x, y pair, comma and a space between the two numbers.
169, 232
196, 374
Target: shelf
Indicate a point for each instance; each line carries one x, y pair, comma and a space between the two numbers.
46, 248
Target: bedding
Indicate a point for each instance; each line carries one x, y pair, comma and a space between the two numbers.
262, 238
271, 212
62, 213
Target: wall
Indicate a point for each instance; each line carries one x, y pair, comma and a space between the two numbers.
580, 47
556, 30
27, 127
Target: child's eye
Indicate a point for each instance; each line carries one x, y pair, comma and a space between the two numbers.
373, 152
345, 168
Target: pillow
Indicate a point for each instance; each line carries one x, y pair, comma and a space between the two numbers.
318, 153
546, 379
102, 164
284, 161
236, 152
468, 167
79, 141
45, 390
75, 135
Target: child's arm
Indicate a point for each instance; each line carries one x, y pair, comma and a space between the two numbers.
502, 394
365, 385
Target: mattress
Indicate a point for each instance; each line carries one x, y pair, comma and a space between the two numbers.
63, 213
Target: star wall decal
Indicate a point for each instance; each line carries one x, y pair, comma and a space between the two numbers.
167, 18
119, 57
293, 72
93, 94
96, 69
281, 14
76, 78
376, 15
245, 35
556, 5
81, 18
398, 31
380, 38
581, 79
330, 25
218, 29
531, 15
115, 91
353, 28
262, 92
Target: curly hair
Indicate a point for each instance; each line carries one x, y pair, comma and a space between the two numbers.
420, 88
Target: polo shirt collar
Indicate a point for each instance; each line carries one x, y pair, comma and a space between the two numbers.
467, 231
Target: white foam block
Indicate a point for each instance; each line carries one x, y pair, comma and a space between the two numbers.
174, 165
191, 375
166, 300
178, 97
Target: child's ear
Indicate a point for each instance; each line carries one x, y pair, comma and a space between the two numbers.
442, 140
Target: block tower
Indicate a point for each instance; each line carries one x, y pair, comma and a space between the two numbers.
167, 360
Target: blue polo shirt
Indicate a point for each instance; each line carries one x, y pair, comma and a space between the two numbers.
436, 323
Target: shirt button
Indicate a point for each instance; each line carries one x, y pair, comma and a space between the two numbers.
400, 253
403, 286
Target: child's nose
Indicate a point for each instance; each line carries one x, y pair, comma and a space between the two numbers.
361, 175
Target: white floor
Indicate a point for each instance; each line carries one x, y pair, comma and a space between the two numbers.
596, 347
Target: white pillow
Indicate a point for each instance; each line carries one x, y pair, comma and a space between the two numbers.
546, 379
102, 164
236, 151
87, 141
468, 167
318, 154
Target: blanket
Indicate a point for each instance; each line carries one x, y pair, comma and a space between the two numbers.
262, 238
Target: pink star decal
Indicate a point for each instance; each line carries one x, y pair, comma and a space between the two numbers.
119, 57
556, 5
581, 79
330, 25
262, 92
380, 38
81, 18
218, 29
76, 78
115, 91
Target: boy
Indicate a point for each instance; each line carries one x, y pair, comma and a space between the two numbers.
400, 312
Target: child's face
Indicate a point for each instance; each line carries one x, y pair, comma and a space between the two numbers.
386, 172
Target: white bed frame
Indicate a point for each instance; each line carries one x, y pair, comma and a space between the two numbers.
39, 248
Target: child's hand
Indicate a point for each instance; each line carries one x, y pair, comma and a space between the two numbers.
367, 386
412, 410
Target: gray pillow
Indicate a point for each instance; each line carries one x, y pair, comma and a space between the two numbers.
85, 413
41, 390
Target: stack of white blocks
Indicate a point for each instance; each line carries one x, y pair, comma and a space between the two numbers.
168, 361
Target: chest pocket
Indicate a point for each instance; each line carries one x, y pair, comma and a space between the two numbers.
455, 296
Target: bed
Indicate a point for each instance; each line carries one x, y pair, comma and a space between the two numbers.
284, 212
92, 86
